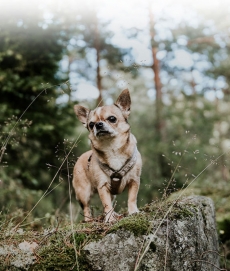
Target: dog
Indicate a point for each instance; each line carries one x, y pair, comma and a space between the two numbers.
114, 161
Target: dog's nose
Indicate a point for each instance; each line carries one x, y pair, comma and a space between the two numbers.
99, 125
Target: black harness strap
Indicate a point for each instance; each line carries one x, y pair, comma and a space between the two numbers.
89, 159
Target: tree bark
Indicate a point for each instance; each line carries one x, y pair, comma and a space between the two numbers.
156, 70
97, 47
159, 123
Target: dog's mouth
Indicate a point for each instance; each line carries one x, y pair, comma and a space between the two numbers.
103, 133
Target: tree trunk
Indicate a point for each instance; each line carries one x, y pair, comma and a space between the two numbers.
157, 81
97, 47
159, 124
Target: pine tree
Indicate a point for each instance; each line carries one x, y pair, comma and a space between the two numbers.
30, 52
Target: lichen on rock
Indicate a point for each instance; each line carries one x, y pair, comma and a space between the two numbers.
21, 259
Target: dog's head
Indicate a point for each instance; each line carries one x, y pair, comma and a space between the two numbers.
107, 121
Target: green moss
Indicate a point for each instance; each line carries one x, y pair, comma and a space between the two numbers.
56, 258
181, 212
6, 268
60, 254
63, 252
80, 238
138, 224
159, 209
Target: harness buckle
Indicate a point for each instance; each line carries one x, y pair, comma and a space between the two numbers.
115, 182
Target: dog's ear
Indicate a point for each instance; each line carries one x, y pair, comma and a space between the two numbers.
124, 102
82, 114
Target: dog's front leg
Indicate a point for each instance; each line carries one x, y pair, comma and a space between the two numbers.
106, 199
132, 196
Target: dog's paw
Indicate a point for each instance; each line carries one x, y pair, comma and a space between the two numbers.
88, 219
134, 211
112, 217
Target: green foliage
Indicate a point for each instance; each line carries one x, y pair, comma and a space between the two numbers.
32, 125
23, 70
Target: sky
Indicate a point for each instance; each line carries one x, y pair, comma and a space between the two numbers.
129, 14
133, 14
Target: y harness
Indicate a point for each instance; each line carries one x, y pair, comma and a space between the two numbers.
117, 175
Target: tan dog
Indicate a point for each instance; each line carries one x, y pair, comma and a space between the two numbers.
114, 161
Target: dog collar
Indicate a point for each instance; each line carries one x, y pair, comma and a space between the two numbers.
117, 175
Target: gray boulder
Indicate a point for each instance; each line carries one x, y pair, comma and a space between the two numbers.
172, 243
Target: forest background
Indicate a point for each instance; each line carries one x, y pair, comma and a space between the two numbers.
174, 58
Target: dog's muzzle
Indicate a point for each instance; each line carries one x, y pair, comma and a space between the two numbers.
101, 130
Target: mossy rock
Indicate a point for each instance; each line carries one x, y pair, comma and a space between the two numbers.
138, 224
65, 248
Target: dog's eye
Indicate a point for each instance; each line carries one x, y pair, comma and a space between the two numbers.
91, 125
112, 119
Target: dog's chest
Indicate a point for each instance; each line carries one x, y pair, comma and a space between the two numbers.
116, 161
